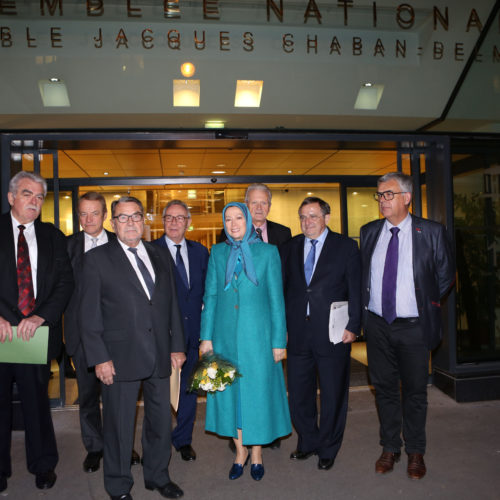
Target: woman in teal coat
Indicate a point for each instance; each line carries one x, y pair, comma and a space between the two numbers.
243, 320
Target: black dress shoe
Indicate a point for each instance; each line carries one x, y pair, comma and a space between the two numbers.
170, 490
187, 453
126, 496
276, 444
92, 461
45, 480
300, 455
3, 483
325, 463
135, 459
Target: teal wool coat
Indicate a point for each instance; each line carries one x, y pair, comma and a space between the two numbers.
245, 323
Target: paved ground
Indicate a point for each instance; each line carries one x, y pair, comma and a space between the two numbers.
463, 460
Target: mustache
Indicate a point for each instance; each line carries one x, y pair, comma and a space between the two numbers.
32, 207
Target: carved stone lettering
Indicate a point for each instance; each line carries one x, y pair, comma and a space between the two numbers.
474, 21
379, 48
121, 39
174, 39
52, 5
95, 8
133, 11
199, 44
357, 46
405, 16
248, 41
98, 40
443, 20
56, 38
5, 37
147, 38
374, 12
8, 8
30, 40
438, 50
224, 41
171, 9
312, 10
401, 48
459, 51
278, 11
312, 44
211, 9
288, 43
346, 4
335, 46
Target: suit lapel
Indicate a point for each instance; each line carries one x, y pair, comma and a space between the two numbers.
300, 255
9, 266
43, 249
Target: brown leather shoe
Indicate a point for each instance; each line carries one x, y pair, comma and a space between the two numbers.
385, 463
416, 466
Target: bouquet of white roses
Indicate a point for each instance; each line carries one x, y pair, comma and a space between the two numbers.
212, 373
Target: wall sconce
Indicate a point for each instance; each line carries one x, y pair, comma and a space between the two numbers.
248, 93
188, 69
369, 96
54, 93
186, 93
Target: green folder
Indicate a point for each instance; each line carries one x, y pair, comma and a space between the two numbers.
19, 351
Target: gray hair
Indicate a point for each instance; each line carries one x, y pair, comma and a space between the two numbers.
260, 187
180, 203
93, 196
405, 181
125, 199
14, 182
323, 205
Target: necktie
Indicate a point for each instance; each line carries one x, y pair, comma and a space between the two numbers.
94, 243
144, 271
389, 279
26, 297
309, 264
179, 262
259, 233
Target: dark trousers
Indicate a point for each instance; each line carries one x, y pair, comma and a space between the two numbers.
40, 441
89, 392
398, 360
119, 409
331, 369
183, 433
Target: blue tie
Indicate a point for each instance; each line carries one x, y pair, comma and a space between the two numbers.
389, 280
309, 265
181, 267
150, 284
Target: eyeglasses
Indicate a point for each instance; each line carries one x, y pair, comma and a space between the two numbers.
387, 195
137, 217
178, 218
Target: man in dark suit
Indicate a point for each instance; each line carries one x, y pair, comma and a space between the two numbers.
319, 267
190, 259
407, 268
132, 334
258, 200
33, 292
92, 213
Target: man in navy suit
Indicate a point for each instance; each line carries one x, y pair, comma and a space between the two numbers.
92, 213
190, 259
319, 267
407, 269
36, 282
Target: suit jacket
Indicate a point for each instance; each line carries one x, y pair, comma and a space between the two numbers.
277, 234
54, 279
433, 270
190, 300
76, 249
337, 277
119, 322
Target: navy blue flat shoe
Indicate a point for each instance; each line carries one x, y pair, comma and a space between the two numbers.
257, 471
237, 470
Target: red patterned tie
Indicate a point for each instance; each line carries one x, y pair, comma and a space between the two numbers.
26, 300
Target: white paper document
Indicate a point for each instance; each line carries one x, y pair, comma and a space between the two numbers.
339, 317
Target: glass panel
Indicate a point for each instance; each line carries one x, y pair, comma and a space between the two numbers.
477, 233
361, 209
206, 206
65, 211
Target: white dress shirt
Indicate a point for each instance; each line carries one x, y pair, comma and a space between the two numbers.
143, 254
184, 252
406, 302
101, 240
29, 234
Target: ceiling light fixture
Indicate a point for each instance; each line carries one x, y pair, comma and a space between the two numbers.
106, 173
214, 124
186, 93
54, 93
218, 171
369, 96
248, 93
188, 69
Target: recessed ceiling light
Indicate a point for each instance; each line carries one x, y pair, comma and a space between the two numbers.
364, 206
182, 166
218, 171
368, 84
309, 194
116, 196
214, 124
354, 193
54, 79
106, 173
289, 171
66, 197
